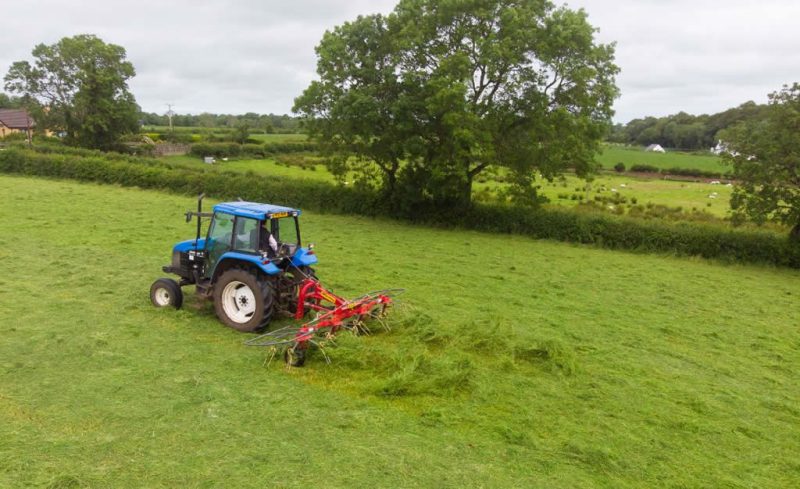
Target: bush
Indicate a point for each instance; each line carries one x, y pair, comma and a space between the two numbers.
602, 230
619, 167
644, 169
693, 172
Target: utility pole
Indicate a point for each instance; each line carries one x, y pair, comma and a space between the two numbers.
170, 113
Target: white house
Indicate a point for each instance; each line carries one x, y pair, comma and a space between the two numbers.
655, 148
719, 148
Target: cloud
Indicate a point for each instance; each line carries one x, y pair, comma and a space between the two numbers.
257, 56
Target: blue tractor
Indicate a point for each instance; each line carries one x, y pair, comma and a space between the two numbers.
250, 263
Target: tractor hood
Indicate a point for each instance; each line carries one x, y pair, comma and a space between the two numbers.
189, 244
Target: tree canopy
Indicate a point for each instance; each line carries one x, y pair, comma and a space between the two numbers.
78, 86
685, 131
765, 156
431, 95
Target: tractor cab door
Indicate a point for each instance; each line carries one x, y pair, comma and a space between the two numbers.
287, 231
220, 236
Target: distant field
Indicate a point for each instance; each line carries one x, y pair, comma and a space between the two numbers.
279, 138
612, 155
513, 363
688, 195
276, 138
266, 166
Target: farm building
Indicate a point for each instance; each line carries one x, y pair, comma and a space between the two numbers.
655, 148
719, 148
14, 121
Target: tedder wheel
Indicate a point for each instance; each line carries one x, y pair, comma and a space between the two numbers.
166, 292
295, 356
242, 301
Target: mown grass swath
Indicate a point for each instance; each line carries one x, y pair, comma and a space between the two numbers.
511, 363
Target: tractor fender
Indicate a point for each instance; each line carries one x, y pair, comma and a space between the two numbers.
304, 257
257, 260
189, 244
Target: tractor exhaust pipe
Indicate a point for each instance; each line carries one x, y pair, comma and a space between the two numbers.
199, 214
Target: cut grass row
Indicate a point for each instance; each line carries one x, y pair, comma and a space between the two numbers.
514, 363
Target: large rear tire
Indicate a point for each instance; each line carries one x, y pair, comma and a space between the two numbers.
242, 301
166, 292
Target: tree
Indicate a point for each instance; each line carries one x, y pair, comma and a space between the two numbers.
241, 132
433, 94
765, 156
7, 102
78, 86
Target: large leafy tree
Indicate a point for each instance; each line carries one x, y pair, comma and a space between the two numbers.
765, 156
78, 86
433, 94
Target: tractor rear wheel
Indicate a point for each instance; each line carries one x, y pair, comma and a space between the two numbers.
242, 301
166, 292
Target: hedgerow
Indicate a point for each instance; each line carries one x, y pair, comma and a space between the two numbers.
224, 150
601, 230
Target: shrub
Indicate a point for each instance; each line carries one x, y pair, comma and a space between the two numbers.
619, 167
693, 172
644, 169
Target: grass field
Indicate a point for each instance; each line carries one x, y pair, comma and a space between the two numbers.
512, 363
688, 195
266, 166
613, 154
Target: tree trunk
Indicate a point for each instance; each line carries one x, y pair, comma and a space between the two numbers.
794, 234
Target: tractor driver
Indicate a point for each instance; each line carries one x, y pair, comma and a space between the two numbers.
267, 241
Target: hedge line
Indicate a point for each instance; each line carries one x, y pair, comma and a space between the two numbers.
562, 225
687, 172
221, 150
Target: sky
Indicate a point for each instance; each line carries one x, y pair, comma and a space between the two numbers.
236, 56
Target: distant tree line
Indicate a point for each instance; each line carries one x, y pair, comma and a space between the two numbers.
9, 102
265, 123
685, 131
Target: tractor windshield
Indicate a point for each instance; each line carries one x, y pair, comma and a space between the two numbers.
287, 230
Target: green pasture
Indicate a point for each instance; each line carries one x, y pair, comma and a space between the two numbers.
613, 154
702, 196
510, 363
685, 194
266, 166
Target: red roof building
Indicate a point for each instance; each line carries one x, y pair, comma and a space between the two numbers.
15, 120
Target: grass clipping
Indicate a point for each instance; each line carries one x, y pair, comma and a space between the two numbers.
420, 357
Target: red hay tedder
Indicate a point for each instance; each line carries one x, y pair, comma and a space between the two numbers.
333, 313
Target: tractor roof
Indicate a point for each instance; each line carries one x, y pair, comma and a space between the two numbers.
255, 210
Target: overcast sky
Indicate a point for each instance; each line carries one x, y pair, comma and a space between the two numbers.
236, 56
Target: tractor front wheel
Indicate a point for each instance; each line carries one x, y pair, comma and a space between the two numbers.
166, 292
242, 301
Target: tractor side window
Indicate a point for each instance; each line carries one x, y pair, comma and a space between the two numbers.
246, 234
287, 231
219, 238
221, 229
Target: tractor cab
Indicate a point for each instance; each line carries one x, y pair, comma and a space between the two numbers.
263, 234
